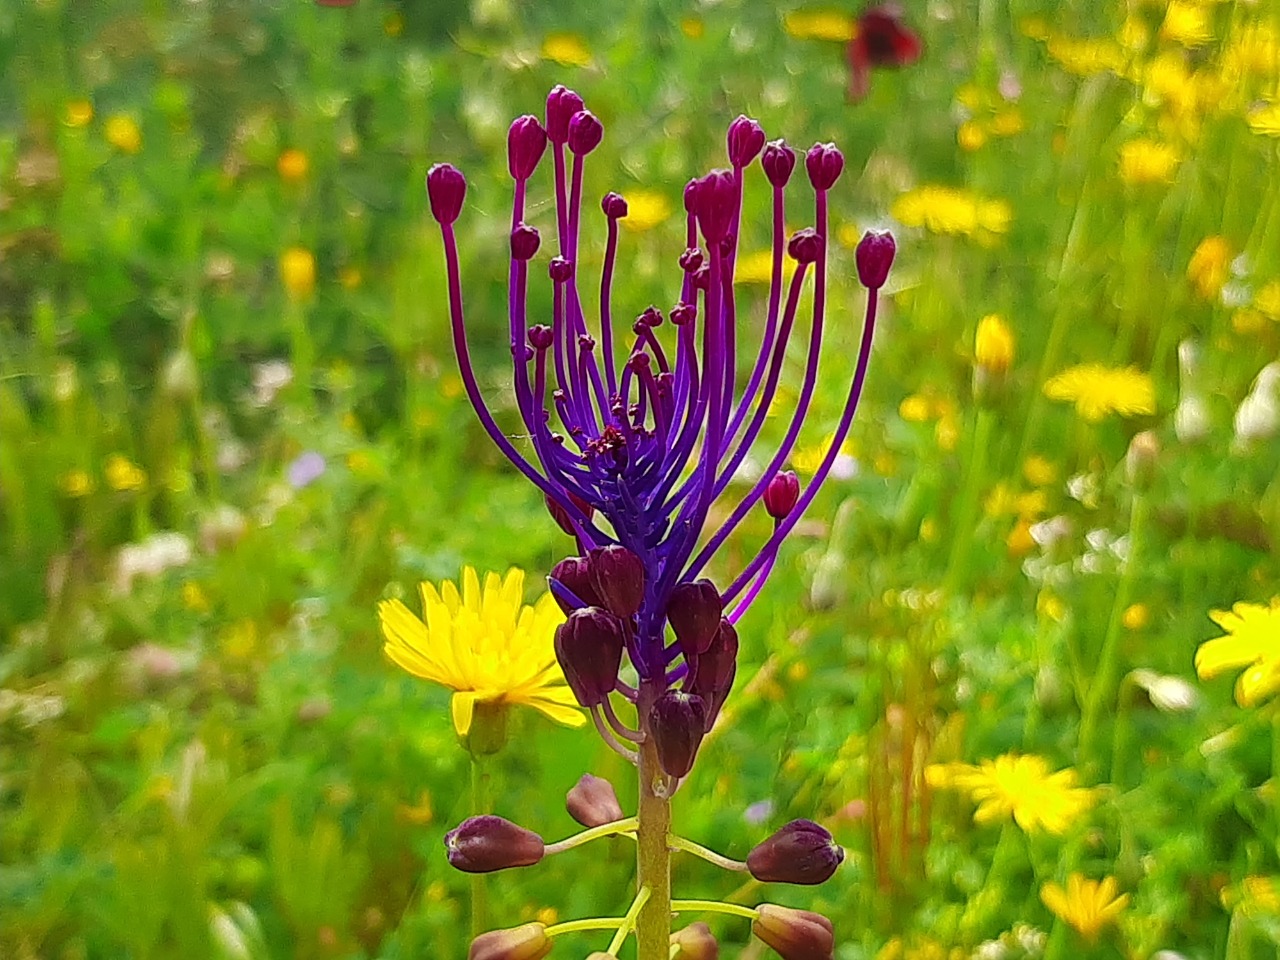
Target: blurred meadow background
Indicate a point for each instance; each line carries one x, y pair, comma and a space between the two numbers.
230, 424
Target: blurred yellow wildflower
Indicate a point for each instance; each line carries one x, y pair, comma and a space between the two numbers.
949, 210
194, 598
239, 640
483, 643
692, 27
1002, 501
122, 133
915, 409
79, 113
419, 814
1186, 22
1088, 906
807, 459
993, 346
1265, 120
1251, 640
1247, 321
646, 209
1268, 299
123, 474
566, 49
835, 25
1098, 391
292, 165
1086, 57
1147, 161
1133, 34
757, 267
1256, 896
1136, 616
1209, 266
76, 483
971, 136
298, 272
1017, 786
1020, 542
393, 24
1038, 471
1252, 49
1037, 28
1008, 122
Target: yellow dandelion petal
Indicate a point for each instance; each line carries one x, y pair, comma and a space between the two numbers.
566, 49
1265, 120
1187, 22
122, 133
298, 272
947, 210
1020, 788
76, 483
1251, 639
646, 209
1098, 391
292, 165
834, 25
1145, 161
123, 475
1087, 906
1210, 266
79, 113
993, 346
971, 136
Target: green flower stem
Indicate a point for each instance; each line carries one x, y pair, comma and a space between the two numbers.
479, 805
628, 922
713, 906
653, 856
698, 850
302, 352
1275, 770
586, 836
587, 923
966, 516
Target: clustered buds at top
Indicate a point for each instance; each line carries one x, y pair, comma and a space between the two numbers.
487, 843
618, 576
678, 722
778, 161
562, 103
798, 852
781, 494
446, 189
589, 649
524, 242
694, 612
585, 132
526, 140
746, 139
794, 934
695, 942
592, 801
805, 246
874, 257
614, 206
711, 676
825, 163
526, 942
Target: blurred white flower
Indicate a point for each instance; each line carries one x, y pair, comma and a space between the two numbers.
150, 558
269, 378
1258, 416
1168, 693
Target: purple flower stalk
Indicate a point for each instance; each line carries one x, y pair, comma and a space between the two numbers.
634, 437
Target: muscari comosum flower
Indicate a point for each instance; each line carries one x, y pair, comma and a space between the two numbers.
632, 441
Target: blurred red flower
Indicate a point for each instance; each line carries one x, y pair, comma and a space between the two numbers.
882, 39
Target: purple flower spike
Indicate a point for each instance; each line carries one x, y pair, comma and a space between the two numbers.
446, 189
874, 257
678, 722
778, 161
524, 242
825, 163
746, 140
800, 852
562, 103
589, 649
487, 843
585, 132
614, 206
526, 141
715, 204
781, 494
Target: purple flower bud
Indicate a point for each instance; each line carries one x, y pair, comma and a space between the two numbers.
746, 139
540, 336
677, 722
524, 242
874, 257
715, 203
446, 189
694, 612
794, 934
695, 942
691, 259
701, 278
562, 103
711, 676
781, 494
593, 802
487, 843
825, 163
558, 513
638, 361
560, 269
798, 852
614, 206
528, 941
589, 648
805, 245
683, 313
618, 576
585, 132
526, 140
575, 574
651, 317
779, 161
691, 195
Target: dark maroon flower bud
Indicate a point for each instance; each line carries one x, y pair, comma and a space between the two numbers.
825, 163
711, 675
487, 843
446, 189
524, 242
677, 722
638, 361
558, 513
593, 802
540, 336
805, 245
874, 257
575, 574
651, 317
716, 202
562, 104
695, 942
585, 132
691, 260
694, 612
781, 494
589, 648
799, 852
701, 278
618, 576
528, 941
779, 161
526, 140
794, 934
691, 190
683, 313
560, 269
745, 139
614, 206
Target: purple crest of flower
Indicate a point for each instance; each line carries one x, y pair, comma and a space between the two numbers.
745, 140
779, 161
691, 195
562, 103
683, 313
585, 132
614, 206
446, 189
781, 494
651, 317
541, 338
526, 141
305, 469
524, 242
874, 257
824, 163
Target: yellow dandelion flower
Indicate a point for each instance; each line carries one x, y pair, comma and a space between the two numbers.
1166, 76
566, 49
1265, 120
1020, 542
1087, 906
298, 272
1209, 266
79, 113
915, 409
993, 345
1255, 49
757, 267
1086, 58
1136, 616
1256, 896
1187, 23
1133, 35
1251, 639
1247, 321
1017, 786
971, 136
1039, 472
123, 475
292, 165
947, 432
1147, 161
947, 210
832, 25
1268, 299
1008, 123
1098, 391
807, 459
76, 483
483, 643
646, 209
122, 133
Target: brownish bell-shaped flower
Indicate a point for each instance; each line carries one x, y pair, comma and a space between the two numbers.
593, 802
794, 934
487, 843
798, 852
528, 941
